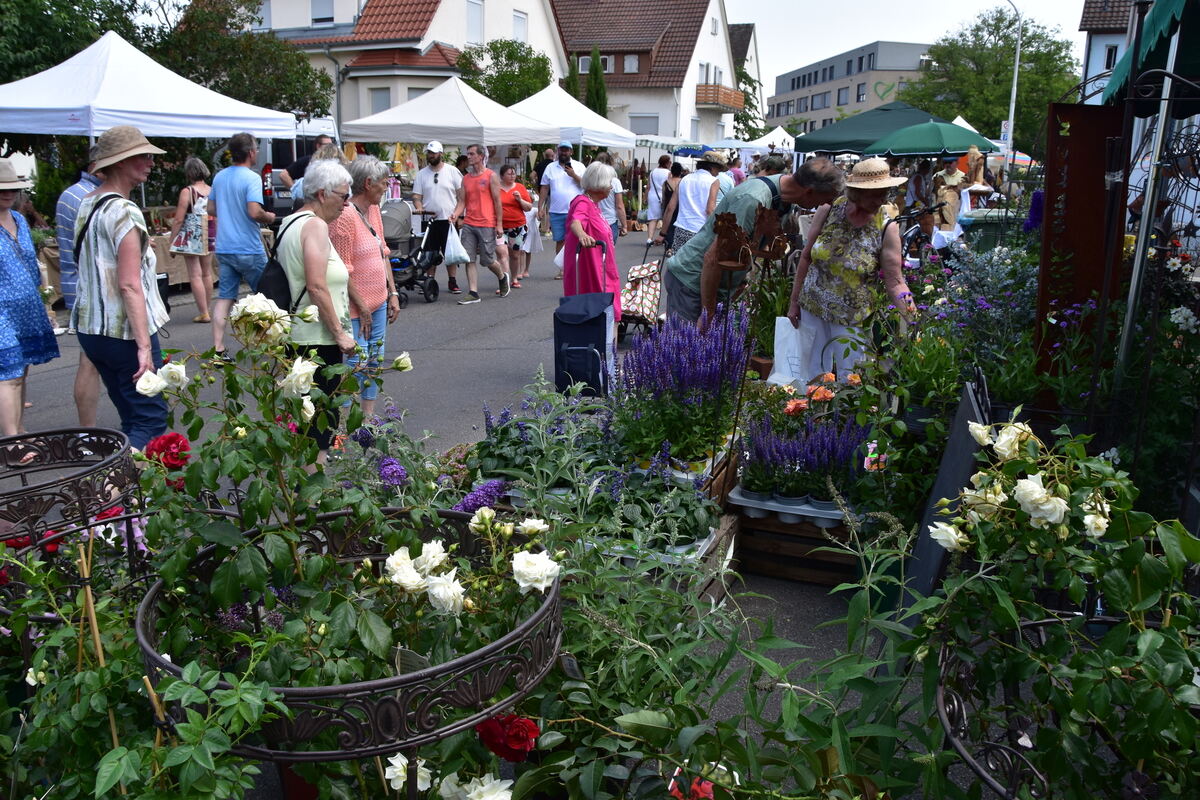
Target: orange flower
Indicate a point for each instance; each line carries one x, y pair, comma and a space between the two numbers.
794, 407
854, 379
810, 389
827, 377
822, 394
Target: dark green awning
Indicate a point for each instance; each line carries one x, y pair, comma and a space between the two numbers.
855, 134
1161, 22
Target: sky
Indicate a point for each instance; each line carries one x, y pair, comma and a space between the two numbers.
793, 33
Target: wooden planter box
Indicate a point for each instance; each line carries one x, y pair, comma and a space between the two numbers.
762, 365
782, 550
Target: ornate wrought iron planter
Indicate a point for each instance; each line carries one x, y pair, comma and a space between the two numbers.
400, 713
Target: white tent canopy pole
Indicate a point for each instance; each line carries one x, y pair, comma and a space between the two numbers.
577, 123
112, 83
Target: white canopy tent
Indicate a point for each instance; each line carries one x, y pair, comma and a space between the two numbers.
962, 123
577, 123
112, 83
452, 113
780, 139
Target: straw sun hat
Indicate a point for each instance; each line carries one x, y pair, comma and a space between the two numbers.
872, 173
9, 179
122, 142
713, 157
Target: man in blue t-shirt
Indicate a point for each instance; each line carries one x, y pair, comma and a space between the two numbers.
236, 201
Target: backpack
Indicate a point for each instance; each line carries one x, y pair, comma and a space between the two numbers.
274, 284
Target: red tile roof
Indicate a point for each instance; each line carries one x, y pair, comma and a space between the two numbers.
625, 25
386, 21
1105, 16
439, 56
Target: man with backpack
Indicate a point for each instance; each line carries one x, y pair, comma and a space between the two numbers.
693, 277
236, 200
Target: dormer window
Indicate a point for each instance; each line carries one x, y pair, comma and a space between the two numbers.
631, 63
322, 12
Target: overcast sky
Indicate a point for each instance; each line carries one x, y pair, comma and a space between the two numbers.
793, 33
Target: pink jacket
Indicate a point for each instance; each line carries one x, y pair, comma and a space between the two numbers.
596, 273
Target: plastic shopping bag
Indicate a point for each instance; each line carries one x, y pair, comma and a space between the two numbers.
558, 258
533, 237
791, 352
455, 252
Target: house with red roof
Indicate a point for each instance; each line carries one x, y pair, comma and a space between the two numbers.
669, 69
385, 52
1106, 23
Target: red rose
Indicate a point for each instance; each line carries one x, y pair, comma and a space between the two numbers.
4, 579
18, 541
509, 736
701, 789
50, 547
109, 513
172, 450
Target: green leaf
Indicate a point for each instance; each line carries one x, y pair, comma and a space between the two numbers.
221, 532
540, 781
225, 585
376, 636
277, 550
1005, 604
341, 623
688, 736
653, 726
252, 568
550, 739
108, 771
855, 614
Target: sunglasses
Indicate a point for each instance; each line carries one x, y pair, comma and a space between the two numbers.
344, 197
435, 177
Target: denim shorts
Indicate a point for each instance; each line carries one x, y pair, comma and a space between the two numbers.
372, 353
233, 268
558, 226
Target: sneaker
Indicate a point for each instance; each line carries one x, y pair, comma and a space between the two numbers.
452, 286
504, 286
223, 357
472, 297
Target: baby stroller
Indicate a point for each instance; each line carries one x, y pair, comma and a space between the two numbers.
415, 250
640, 297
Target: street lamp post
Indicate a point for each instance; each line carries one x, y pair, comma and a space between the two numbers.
1012, 98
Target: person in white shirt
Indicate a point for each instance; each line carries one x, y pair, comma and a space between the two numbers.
438, 187
612, 207
654, 193
696, 198
560, 185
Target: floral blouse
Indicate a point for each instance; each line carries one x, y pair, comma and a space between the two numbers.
845, 260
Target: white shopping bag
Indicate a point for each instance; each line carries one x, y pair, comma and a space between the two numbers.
791, 352
558, 258
455, 252
533, 238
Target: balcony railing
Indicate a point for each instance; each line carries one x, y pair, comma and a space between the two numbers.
723, 98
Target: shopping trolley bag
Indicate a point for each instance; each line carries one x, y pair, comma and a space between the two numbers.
584, 341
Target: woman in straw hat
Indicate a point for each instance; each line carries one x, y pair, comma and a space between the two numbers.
26, 336
848, 244
118, 310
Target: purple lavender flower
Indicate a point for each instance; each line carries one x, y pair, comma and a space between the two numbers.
273, 620
488, 422
487, 493
285, 595
364, 436
392, 472
234, 617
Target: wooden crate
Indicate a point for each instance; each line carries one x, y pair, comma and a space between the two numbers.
723, 478
715, 584
787, 550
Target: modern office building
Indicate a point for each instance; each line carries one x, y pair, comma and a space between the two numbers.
826, 91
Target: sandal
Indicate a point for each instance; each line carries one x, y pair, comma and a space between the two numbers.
202, 318
516, 284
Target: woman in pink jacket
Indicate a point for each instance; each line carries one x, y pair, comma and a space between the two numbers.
589, 263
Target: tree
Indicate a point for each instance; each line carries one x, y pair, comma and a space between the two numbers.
38, 34
972, 70
571, 84
748, 123
210, 42
597, 94
505, 70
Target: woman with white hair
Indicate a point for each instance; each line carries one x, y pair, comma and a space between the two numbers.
357, 236
318, 276
589, 264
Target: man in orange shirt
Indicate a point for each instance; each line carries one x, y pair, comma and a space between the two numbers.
483, 222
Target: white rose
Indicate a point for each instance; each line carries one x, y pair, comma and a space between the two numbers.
150, 384
487, 788
948, 536
1012, 436
397, 772
433, 555
450, 788
532, 526
299, 379
982, 503
309, 313
251, 306
400, 571
1096, 505
175, 374
403, 362
307, 409
277, 329
1094, 525
445, 593
239, 432
1042, 505
980, 433
534, 570
482, 519
31, 677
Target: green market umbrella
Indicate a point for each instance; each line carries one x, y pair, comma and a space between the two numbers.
855, 133
930, 139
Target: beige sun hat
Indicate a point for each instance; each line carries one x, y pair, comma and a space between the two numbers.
713, 157
122, 142
9, 179
872, 173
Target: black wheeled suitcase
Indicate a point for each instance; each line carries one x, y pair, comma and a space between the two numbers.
583, 340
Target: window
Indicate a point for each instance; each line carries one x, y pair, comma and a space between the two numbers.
820, 101
644, 124
631, 63
843, 96
322, 12
703, 72
870, 61
860, 63
860, 93
1110, 56
520, 26
825, 122
415, 91
585, 63
717, 75
802, 105
849, 66
787, 108
714, 26
381, 99
720, 130
695, 129
474, 21
264, 11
